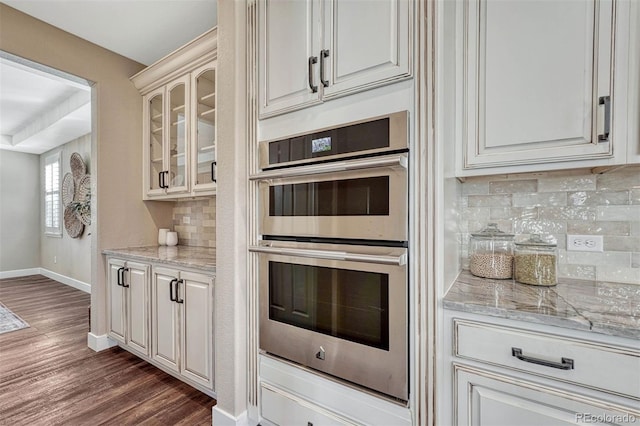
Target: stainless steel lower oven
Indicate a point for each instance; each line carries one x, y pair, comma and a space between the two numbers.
340, 309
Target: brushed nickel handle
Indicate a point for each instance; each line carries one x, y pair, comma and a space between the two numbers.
332, 255
564, 364
338, 166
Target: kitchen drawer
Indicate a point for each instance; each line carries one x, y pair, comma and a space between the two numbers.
607, 368
282, 408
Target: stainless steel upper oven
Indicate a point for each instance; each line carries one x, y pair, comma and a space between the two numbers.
337, 309
349, 182
360, 199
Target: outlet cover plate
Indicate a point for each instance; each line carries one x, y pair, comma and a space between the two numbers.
585, 243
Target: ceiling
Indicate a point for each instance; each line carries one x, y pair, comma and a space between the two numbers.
38, 110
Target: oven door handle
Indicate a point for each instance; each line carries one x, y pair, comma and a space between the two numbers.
333, 255
338, 166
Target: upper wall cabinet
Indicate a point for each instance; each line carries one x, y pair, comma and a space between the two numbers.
542, 83
179, 116
310, 51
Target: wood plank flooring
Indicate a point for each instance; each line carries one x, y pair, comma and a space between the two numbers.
48, 375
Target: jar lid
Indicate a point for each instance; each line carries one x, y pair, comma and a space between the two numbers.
536, 240
492, 231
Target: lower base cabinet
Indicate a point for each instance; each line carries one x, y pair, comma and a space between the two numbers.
164, 315
181, 323
486, 399
508, 373
128, 287
282, 408
290, 395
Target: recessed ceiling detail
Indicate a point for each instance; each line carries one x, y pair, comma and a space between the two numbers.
40, 111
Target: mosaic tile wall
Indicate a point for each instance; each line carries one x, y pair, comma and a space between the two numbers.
201, 229
561, 203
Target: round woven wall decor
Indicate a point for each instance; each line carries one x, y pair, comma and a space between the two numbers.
72, 223
68, 189
78, 168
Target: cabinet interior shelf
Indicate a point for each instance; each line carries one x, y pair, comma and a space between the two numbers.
207, 148
156, 117
177, 108
175, 123
156, 160
157, 130
207, 112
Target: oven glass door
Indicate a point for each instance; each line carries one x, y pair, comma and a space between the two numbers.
344, 303
345, 318
368, 203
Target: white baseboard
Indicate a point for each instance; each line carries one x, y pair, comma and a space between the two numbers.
19, 273
222, 418
100, 343
82, 286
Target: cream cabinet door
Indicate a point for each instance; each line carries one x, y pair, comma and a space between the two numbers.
177, 112
153, 113
288, 49
165, 346
117, 301
203, 129
364, 45
537, 81
136, 284
195, 295
487, 399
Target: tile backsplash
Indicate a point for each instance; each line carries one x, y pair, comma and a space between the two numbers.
201, 215
561, 203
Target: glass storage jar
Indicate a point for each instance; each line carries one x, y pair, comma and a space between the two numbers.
491, 253
536, 262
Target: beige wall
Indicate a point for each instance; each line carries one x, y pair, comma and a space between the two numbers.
19, 211
122, 218
64, 255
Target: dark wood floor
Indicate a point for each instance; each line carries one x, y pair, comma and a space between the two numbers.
48, 376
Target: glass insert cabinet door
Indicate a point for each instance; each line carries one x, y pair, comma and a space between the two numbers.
155, 106
177, 112
204, 125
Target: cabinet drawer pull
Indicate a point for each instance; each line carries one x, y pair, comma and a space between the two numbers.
323, 54
120, 281
564, 364
123, 283
178, 299
213, 171
606, 101
312, 60
172, 296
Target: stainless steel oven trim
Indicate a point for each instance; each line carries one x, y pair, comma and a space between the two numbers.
391, 227
344, 359
398, 139
333, 167
333, 255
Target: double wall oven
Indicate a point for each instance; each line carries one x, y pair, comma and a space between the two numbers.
333, 251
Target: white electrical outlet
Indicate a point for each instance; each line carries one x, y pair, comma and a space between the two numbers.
55, 259
585, 243
186, 220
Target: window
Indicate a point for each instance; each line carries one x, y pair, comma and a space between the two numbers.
52, 195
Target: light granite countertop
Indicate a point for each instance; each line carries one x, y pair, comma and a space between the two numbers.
202, 258
596, 306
